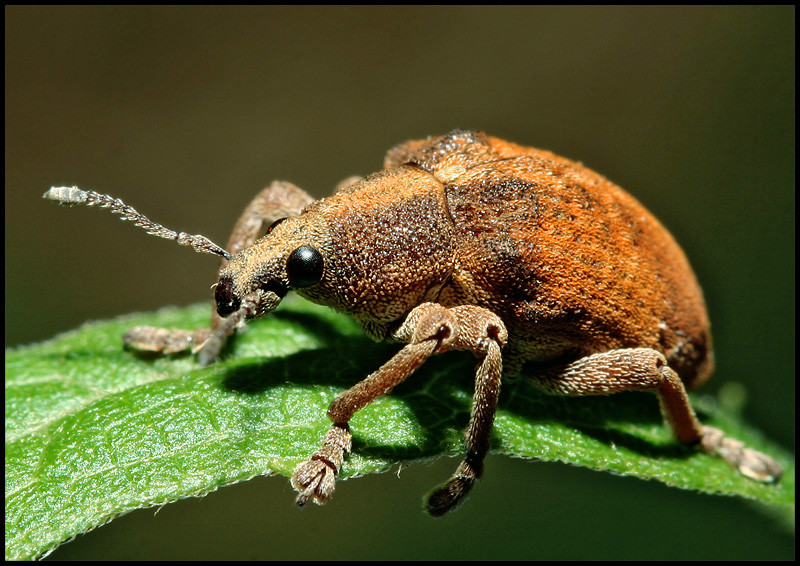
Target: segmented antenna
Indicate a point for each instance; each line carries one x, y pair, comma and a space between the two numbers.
74, 195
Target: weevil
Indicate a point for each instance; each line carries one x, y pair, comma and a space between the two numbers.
535, 264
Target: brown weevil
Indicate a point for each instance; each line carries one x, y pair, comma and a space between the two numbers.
535, 264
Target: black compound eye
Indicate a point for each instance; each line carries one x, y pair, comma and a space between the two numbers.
304, 267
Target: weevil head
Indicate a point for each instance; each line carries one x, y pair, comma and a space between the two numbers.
291, 256
375, 250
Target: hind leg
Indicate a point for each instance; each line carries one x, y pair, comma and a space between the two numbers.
645, 369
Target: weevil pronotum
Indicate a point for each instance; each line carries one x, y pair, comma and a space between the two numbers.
535, 264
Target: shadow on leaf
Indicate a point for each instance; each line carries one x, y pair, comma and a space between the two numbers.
439, 397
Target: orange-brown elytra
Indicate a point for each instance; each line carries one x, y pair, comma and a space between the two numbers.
537, 265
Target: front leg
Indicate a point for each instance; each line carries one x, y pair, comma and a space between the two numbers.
279, 200
429, 329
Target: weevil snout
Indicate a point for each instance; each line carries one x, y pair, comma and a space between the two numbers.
259, 302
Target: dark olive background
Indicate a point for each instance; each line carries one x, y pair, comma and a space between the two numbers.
187, 112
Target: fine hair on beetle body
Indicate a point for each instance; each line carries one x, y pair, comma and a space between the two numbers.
533, 263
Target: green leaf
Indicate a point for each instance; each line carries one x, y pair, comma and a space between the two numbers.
94, 431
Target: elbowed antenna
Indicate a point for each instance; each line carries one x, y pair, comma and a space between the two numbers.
74, 195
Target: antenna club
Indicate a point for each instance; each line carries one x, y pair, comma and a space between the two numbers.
66, 195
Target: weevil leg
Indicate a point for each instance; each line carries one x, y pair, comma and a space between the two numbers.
484, 334
645, 369
279, 200
315, 478
429, 329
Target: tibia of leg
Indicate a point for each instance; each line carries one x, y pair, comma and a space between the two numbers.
165, 340
749, 462
315, 479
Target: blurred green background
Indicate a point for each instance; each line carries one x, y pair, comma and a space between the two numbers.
187, 112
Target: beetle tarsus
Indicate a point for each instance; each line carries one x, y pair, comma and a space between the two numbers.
164, 340
451, 495
315, 479
750, 463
